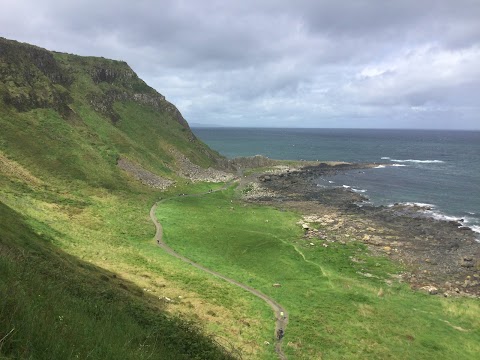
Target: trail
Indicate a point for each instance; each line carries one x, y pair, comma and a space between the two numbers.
298, 252
281, 321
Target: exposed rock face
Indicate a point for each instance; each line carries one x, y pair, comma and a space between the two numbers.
109, 75
30, 78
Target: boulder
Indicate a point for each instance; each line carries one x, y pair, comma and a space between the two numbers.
466, 263
432, 290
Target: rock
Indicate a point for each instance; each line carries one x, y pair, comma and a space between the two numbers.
432, 290
266, 343
305, 226
466, 264
387, 249
276, 285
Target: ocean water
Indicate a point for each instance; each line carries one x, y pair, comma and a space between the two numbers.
439, 168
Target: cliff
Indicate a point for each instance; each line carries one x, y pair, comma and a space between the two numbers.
58, 110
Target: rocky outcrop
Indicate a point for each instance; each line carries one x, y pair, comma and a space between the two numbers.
31, 77
111, 75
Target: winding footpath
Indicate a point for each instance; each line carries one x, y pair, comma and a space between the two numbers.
281, 321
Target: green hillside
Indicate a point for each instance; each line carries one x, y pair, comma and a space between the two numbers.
70, 117
66, 122
54, 306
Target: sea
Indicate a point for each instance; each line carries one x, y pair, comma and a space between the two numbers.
436, 169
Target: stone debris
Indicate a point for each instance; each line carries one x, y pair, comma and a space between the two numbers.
430, 289
254, 191
195, 173
144, 176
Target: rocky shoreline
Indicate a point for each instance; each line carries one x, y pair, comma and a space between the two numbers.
440, 257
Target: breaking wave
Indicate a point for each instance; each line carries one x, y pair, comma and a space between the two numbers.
417, 161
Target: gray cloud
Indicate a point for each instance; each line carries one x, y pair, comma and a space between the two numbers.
340, 63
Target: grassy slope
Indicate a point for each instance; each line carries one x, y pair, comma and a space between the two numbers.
70, 219
59, 307
334, 311
111, 230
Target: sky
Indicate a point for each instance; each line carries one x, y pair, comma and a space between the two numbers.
279, 63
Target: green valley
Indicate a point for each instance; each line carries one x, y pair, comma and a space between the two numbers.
86, 149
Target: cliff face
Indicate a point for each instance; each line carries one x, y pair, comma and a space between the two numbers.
30, 78
102, 102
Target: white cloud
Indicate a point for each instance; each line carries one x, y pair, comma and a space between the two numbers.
369, 63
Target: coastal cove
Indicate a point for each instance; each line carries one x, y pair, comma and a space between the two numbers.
438, 168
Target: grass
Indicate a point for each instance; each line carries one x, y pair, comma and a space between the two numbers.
110, 231
335, 311
54, 306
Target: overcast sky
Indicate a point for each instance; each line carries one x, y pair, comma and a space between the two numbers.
298, 63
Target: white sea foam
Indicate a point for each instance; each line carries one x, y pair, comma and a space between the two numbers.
359, 190
398, 165
379, 167
442, 217
418, 161
428, 209
331, 182
346, 186
420, 205
475, 228
385, 158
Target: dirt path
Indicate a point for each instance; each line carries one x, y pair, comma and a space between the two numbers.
281, 321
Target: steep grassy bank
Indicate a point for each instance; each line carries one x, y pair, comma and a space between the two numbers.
335, 310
